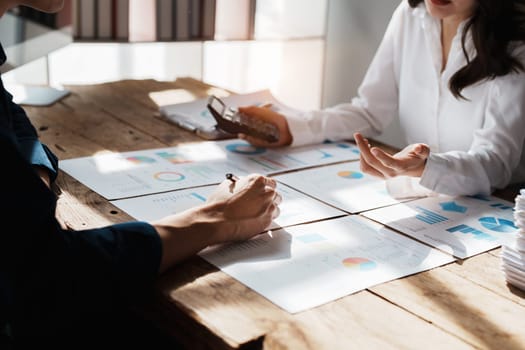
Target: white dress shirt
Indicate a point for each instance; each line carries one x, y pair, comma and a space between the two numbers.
476, 144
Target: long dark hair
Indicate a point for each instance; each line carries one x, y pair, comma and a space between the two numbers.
494, 24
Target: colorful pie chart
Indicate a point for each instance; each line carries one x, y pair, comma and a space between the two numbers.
169, 176
497, 224
347, 174
363, 264
244, 148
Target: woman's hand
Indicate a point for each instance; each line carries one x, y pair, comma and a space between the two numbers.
374, 161
268, 115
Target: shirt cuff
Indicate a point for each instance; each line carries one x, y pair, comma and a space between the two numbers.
37, 154
434, 168
445, 176
302, 133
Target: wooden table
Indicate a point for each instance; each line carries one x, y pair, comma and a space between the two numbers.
463, 305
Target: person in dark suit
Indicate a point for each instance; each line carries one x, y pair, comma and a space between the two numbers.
57, 283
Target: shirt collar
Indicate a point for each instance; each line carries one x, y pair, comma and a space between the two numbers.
420, 11
430, 23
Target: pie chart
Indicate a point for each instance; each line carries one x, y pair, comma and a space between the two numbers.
347, 174
497, 224
245, 148
362, 264
169, 176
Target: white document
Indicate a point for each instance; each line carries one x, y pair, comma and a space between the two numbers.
308, 265
129, 174
136, 173
462, 226
342, 185
296, 208
271, 161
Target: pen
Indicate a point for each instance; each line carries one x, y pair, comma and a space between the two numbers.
231, 177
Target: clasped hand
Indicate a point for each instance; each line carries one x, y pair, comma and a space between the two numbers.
374, 161
235, 211
247, 206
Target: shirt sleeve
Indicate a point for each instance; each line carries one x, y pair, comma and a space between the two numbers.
496, 149
371, 111
32, 149
51, 278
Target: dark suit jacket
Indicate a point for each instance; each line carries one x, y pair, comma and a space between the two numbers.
53, 280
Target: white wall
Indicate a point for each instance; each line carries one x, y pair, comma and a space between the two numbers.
354, 31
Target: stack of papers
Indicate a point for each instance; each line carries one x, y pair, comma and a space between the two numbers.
513, 256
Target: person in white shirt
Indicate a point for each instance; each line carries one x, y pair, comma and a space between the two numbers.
453, 71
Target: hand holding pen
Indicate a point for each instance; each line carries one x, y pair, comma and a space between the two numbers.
233, 178
247, 204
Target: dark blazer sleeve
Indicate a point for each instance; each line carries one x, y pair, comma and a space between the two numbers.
15, 119
30, 146
52, 279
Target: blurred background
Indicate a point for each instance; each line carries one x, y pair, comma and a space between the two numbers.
310, 53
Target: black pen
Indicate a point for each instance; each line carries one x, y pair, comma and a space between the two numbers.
231, 177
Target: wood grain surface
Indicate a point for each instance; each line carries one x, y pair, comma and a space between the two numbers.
463, 305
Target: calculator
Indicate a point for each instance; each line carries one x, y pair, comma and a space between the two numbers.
230, 120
